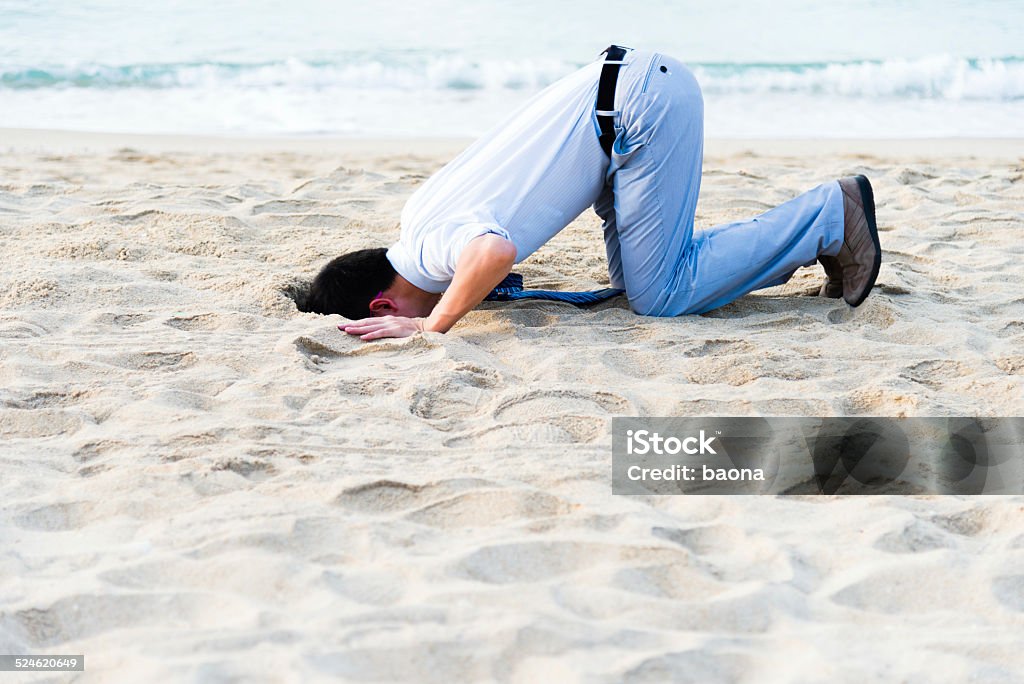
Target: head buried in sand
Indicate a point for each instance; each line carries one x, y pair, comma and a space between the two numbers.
364, 284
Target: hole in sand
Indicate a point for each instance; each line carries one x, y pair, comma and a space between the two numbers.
298, 292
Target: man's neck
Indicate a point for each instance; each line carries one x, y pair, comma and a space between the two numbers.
403, 288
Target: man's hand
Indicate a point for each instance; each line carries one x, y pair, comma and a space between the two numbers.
383, 326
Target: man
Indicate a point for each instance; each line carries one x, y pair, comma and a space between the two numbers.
624, 135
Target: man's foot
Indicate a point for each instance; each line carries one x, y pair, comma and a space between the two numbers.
833, 285
861, 254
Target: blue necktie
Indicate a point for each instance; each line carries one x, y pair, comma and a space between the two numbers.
511, 289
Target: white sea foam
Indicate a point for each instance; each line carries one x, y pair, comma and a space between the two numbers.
942, 77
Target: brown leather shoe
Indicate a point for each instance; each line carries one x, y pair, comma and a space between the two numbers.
861, 254
833, 285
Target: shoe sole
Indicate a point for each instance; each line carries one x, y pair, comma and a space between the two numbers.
868, 198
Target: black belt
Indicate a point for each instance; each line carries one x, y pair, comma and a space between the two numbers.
606, 96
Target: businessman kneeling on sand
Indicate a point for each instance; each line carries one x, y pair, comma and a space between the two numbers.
625, 135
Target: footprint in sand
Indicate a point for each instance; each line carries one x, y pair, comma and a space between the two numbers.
934, 373
91, 450
487, 507
57, 517
214, 321
547, 417
681, 580
537, 403
154, 360
82, 616
36, 423
41, 399
286, 207
532, 561
548, 431
451, 398
13, 329
707, 539
916, 537
873, 314
924, 584
333, 345
969, 523
119, 320
634, 363
387, 496
540, 561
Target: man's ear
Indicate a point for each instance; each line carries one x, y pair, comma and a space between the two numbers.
382, 306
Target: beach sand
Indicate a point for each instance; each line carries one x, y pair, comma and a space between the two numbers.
200, 483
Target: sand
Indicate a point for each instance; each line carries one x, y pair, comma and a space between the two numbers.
200, 483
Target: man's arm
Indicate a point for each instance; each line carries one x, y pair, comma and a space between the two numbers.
483, 263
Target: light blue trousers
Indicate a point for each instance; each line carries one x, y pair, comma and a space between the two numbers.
650, 198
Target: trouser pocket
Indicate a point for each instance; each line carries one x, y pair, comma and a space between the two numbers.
655, 60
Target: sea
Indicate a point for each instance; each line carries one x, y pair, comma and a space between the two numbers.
453, 68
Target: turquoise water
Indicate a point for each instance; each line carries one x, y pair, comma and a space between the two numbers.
783, 69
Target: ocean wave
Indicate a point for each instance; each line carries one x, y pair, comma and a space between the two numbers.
940, 77
440, 73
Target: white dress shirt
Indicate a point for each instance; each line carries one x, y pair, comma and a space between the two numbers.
526, 179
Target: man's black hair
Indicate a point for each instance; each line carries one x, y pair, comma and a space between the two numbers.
347, 284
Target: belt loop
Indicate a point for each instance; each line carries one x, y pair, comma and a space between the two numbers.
615, 47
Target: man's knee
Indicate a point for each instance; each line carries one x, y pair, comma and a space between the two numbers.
662, 304
648, 304
644, 310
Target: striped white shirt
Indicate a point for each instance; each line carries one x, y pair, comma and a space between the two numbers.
525, 180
